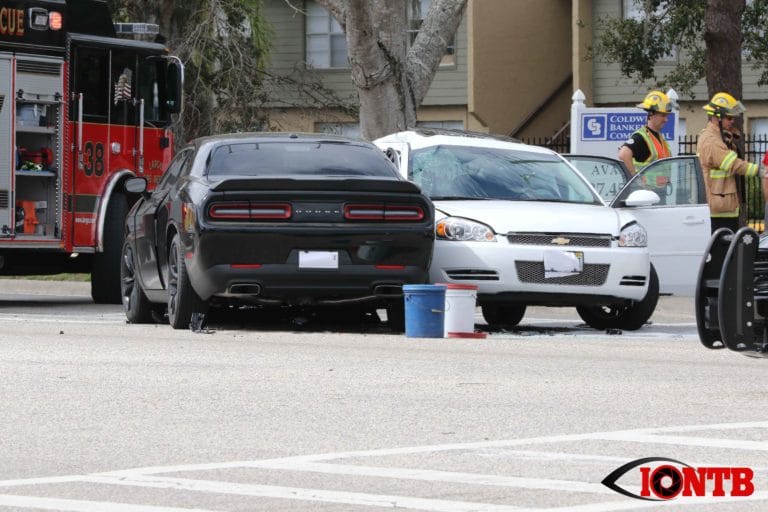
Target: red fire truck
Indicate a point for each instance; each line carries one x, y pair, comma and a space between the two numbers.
81, 111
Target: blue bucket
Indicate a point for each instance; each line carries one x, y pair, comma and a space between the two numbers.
424, 310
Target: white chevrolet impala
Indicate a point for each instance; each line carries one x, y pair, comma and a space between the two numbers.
525, 227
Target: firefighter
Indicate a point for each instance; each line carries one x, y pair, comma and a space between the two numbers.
720, 163
647, 144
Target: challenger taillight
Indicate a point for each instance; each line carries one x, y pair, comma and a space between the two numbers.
249, 211
389, 212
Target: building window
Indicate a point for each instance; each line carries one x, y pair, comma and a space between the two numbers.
759, 126
634, 10
326, 42
445, 125
416, 14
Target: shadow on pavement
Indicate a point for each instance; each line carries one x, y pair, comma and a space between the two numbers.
296, 319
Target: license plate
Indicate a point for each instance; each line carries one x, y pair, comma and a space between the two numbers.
562, 263
319, 259
580, 257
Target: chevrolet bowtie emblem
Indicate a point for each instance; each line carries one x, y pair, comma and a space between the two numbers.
561, 241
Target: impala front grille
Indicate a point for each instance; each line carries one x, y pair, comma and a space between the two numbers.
560, 240
533, 272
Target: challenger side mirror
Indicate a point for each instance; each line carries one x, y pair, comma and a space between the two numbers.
136, 185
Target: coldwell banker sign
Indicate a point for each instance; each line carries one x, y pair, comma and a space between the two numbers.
601, 131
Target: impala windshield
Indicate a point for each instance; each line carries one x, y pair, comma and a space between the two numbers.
462, 172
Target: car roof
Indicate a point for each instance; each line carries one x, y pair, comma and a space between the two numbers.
287, 137
422, 138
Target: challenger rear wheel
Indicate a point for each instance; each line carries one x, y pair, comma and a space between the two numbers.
183, 301
630, 316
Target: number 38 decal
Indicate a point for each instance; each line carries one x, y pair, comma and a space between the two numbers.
94, 159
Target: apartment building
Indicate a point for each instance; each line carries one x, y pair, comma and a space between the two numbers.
512, 69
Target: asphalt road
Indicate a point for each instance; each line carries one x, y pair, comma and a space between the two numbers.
266, 414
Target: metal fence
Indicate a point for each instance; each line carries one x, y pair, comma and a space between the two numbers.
755, 146
560, 144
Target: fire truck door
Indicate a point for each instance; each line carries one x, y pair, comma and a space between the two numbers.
89, 114
7, 151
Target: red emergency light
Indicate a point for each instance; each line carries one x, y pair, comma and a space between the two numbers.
55, 20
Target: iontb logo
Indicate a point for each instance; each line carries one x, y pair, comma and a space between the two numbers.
666, 479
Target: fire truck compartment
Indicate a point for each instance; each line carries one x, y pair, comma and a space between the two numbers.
31, 140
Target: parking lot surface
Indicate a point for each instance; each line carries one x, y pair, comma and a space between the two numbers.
104, 415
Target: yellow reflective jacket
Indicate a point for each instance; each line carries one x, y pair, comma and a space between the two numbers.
720, 165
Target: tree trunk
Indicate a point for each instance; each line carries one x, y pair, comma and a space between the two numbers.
376, 46
722, 35
392, 80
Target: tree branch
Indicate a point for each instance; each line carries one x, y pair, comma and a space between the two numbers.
440, 25
296, 10
338, 9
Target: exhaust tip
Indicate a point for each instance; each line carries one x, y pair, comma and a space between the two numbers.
245, 289
388, 290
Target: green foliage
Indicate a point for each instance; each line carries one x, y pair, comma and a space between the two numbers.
224, 50
755, 42
672, 32
52, 277
224, 45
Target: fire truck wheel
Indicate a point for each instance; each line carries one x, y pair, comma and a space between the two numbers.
105, 273
183, 300
138, 309
629, 317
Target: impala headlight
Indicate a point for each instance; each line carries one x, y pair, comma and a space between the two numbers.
463, 230
633, 235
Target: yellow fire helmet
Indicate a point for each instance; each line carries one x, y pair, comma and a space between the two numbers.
657, 101
723, 104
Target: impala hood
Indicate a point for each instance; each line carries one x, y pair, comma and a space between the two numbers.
521, 216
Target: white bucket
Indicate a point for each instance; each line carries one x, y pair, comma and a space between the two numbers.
459, 310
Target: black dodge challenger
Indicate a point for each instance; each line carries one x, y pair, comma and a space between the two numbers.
274, 219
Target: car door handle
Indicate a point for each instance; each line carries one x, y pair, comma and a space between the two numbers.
692, 221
